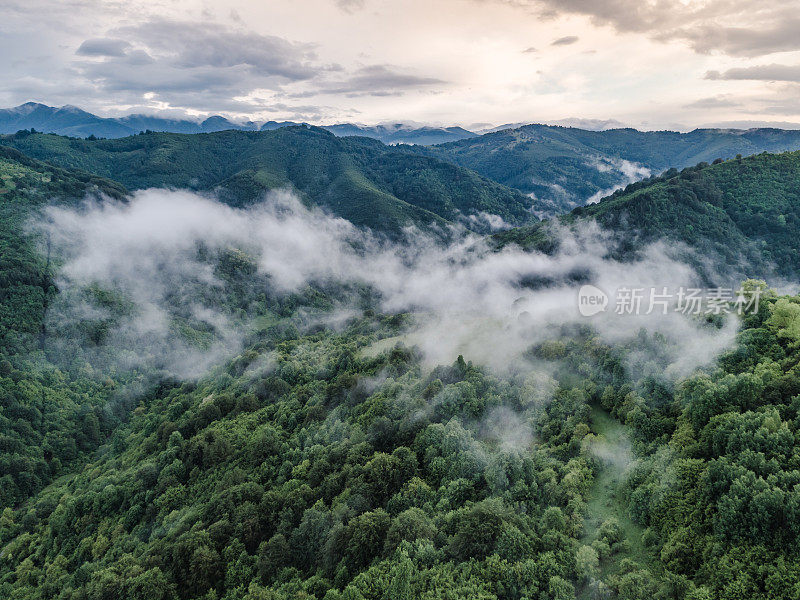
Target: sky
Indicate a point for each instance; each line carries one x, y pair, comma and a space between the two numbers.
651, 64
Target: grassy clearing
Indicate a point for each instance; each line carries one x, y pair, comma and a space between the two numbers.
605, 503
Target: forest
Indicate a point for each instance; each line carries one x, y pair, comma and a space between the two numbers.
323, 456
566, 167
357, 178
741, 213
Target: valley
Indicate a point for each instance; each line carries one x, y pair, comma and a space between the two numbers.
272, 401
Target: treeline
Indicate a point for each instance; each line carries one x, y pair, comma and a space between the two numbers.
719, 491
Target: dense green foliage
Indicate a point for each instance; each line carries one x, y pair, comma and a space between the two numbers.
326, 463
48, 418
719, 489
359, 179
305, 480
566, 166
742, 213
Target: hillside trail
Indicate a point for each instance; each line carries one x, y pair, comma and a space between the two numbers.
605, 501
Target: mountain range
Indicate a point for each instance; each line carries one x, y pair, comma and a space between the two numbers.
321, 457
741, 217
357, 178
75, 122
565, 167
558, 167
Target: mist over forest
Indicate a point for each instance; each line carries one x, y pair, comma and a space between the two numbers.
359, 300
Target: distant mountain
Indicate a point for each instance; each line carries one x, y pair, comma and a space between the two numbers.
74, 122
67, 120
588, 124
559, 168
404, 134
564, 167
398, 133
357, 178
740, 217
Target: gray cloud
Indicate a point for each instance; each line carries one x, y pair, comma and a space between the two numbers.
773, 72
103, 47
351, 6
565, 41
378, 80
713, 102
196, 45
194, 65
779, 35
735, 27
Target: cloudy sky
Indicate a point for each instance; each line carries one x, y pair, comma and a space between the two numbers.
646, 63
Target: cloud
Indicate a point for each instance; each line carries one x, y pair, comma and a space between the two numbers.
195, 65
565, 41
190, 45
239, 61
159, 251
103, 47
530, 50
378, 80
773, 72
785, 103
485, 222
735, 27
779, 34
351, 6
713, 102
628, 172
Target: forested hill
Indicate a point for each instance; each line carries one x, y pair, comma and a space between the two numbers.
565, 166
48, 417
359, 179
325, 462
744, 211
26, 184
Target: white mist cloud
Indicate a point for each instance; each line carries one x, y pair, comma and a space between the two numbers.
628, 171
467, 298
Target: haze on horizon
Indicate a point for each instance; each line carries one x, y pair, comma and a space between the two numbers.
673, 64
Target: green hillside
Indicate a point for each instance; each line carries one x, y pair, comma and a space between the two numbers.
359, 179
331, 463
743, 213
565, 166
48, 417
307, 480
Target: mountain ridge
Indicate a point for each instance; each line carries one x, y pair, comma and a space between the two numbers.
743, 214
357, 178
565, 167
76, 122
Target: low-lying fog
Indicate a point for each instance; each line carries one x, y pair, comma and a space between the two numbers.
468, 298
